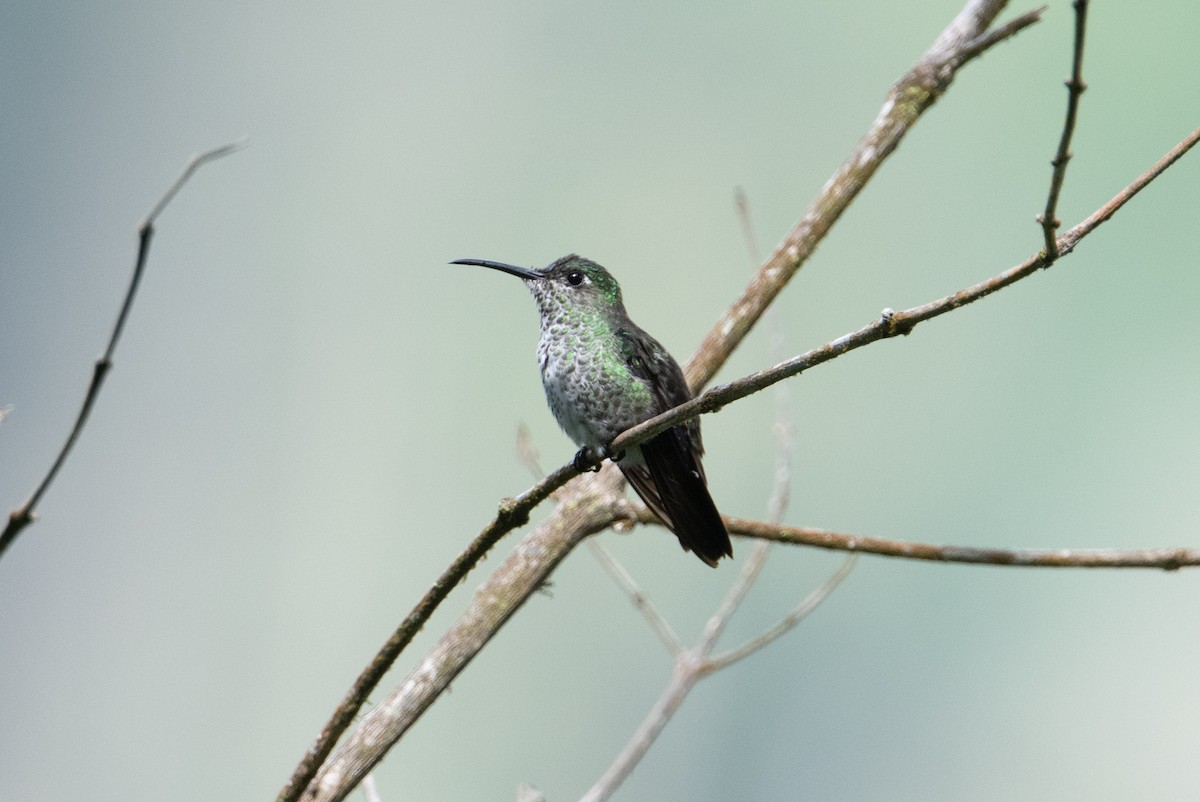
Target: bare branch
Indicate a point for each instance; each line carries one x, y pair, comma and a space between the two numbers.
25, 514
1068, 241
1075, 88
776, 507
593, 506
512, 514
889, 325
1167, 559
892, 323
996, 35
682, 679
963, 39
690, 666
527, 452
640, 600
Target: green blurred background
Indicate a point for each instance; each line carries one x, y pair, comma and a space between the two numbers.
311, 413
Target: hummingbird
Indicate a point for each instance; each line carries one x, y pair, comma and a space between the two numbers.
603, 374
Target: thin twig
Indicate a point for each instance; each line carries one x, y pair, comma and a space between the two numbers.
25, 514
776, 508
1075, 89
527, 452
996, 35
1167, 559
682, 679
690, 667
1068, 241
640, 600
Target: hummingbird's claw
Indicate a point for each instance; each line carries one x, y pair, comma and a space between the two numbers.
585, 462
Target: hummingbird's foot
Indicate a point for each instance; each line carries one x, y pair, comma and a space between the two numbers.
584, 461
620, 455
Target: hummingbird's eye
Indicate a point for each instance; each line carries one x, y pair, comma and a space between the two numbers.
575, 277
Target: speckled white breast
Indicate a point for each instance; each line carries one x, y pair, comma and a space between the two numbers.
588, 386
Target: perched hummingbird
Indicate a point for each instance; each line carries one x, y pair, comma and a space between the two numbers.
602, 375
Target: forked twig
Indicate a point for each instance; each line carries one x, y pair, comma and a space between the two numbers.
789, 622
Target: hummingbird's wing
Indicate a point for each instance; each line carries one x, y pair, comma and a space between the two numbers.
671, 479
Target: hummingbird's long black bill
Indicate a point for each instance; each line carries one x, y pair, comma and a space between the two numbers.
523, 272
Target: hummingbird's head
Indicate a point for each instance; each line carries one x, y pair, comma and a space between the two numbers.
566, 287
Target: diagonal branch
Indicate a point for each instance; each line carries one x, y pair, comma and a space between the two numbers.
649, 610
593, 506
965, 38
512, 514
892, 323
25, 514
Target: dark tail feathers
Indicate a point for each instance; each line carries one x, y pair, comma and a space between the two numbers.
672, 484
